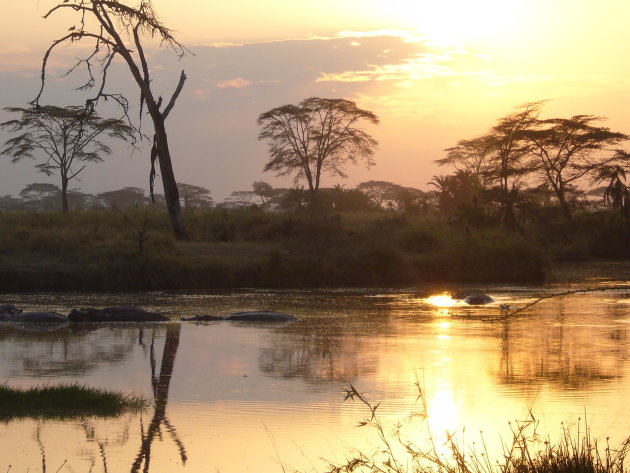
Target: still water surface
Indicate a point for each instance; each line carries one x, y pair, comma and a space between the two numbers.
263, 397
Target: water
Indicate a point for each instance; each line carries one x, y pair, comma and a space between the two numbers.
263, 397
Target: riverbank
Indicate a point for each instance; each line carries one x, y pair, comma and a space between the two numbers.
106, 250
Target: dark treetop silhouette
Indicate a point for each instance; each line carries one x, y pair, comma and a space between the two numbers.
317, 135
65, 136
117, 29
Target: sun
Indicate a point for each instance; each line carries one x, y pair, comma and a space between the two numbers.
456, 22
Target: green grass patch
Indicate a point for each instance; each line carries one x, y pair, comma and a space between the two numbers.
64, 402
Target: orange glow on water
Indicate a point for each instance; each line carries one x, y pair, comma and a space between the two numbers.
441, 300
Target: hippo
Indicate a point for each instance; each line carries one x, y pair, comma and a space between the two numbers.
249, 316
478, 299
115, 314
34, 318
8, 309
203, 318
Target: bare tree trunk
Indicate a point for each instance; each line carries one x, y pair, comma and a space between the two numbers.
64, 194
171, 194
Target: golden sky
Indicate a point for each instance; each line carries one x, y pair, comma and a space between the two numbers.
434, 72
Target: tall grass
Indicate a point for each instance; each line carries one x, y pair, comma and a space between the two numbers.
577, 451
103, 250
65, 402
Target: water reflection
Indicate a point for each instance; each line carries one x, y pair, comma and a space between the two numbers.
326, 350
160, 383
567, 351
220, 388
62, 352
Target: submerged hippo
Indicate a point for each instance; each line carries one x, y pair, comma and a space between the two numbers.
478, 299
249, 316
8, 309
115, 314
34, 318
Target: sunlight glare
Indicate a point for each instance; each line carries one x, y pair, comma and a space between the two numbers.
453, 22
442, 412
441, 300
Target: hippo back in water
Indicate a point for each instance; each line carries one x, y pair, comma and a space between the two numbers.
34, 317
116, 314
261, 316
249, 316
478, 299
8, 309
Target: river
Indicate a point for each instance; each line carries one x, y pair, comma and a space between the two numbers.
270, 398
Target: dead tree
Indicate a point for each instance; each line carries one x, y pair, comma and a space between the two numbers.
117, 29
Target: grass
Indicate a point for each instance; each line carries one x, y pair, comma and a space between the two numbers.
100, 251
64, 402
575, 452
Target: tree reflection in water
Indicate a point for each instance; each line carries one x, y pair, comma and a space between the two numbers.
76, 353
62, 352
563, 346
160, 384
326, 350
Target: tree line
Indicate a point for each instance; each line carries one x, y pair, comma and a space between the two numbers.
525, 162
521, 163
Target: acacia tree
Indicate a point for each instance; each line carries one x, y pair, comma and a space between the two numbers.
66, 137
500, 158
116, 29
318, 135
378, 191
39, 195
194, 197
570, 148
471, 156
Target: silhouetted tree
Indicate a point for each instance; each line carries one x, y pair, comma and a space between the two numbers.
471, 156
40, 195
347, 200
8, 202
318, 135
616, 193
500, 158
117, 29
194, 197
569, 149
378, 191
266, 193
294, 199
124, 198
241, 198
67, 138
410, 201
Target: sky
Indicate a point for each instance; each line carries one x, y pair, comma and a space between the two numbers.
433, 72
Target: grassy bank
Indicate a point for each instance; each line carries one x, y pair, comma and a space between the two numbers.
249, 248
64, 402
104, 250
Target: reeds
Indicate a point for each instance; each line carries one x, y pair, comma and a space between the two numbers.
65, 401
577, 451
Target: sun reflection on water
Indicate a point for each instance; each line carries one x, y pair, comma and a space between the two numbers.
441, 300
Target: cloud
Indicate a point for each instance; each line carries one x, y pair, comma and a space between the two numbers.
202, 94
237, 83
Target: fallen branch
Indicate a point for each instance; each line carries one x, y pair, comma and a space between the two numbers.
506, 313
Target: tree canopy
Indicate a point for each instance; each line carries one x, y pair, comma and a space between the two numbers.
116, 29
318, 135
67, 138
